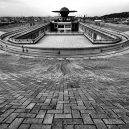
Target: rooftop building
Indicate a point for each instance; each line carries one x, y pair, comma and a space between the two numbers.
64, 23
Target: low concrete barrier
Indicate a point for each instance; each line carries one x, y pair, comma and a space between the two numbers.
21, 41
69, 33
38, 38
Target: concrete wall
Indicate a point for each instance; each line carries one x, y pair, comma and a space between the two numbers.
97, 36
30, 35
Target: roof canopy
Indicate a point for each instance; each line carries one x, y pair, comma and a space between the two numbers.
64, 11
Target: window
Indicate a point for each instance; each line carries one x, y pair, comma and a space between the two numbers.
67, 26
60, 26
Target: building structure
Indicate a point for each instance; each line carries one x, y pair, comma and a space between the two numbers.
64, 23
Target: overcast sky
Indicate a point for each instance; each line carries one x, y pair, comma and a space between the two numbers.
44, 7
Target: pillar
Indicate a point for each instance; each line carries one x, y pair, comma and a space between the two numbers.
94, 35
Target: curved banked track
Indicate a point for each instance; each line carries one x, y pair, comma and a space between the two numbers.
73, 52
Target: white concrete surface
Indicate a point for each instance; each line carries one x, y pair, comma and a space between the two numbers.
1, 32
127, 32
63, 41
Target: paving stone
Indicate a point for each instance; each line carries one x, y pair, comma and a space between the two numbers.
67, 109
35, 109
19, 110
99, 116
59, 106
113, 127
68, 126
57, 124
41, 114
48, 119
67, 121
113, 121
47, 101
54, 111
3, 126
125, 126
30, 106
88, 111
98, 109
11, 117
124, 117
87, 119
85, 127
26, 102
76, 114
32, 121
78, 121
34, 126
25, 115
63, 116
99, 124
111, 114
6, 113
24, 126
15, 124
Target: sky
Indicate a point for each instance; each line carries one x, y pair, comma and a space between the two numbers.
44, 7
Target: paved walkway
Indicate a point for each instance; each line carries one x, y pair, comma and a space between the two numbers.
64, 94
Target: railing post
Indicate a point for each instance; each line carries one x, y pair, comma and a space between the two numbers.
22, 49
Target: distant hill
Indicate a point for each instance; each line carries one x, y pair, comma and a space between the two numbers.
117, 15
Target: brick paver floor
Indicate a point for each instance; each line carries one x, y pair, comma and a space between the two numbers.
64, 94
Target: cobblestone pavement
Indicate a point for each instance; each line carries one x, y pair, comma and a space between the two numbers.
64, 94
